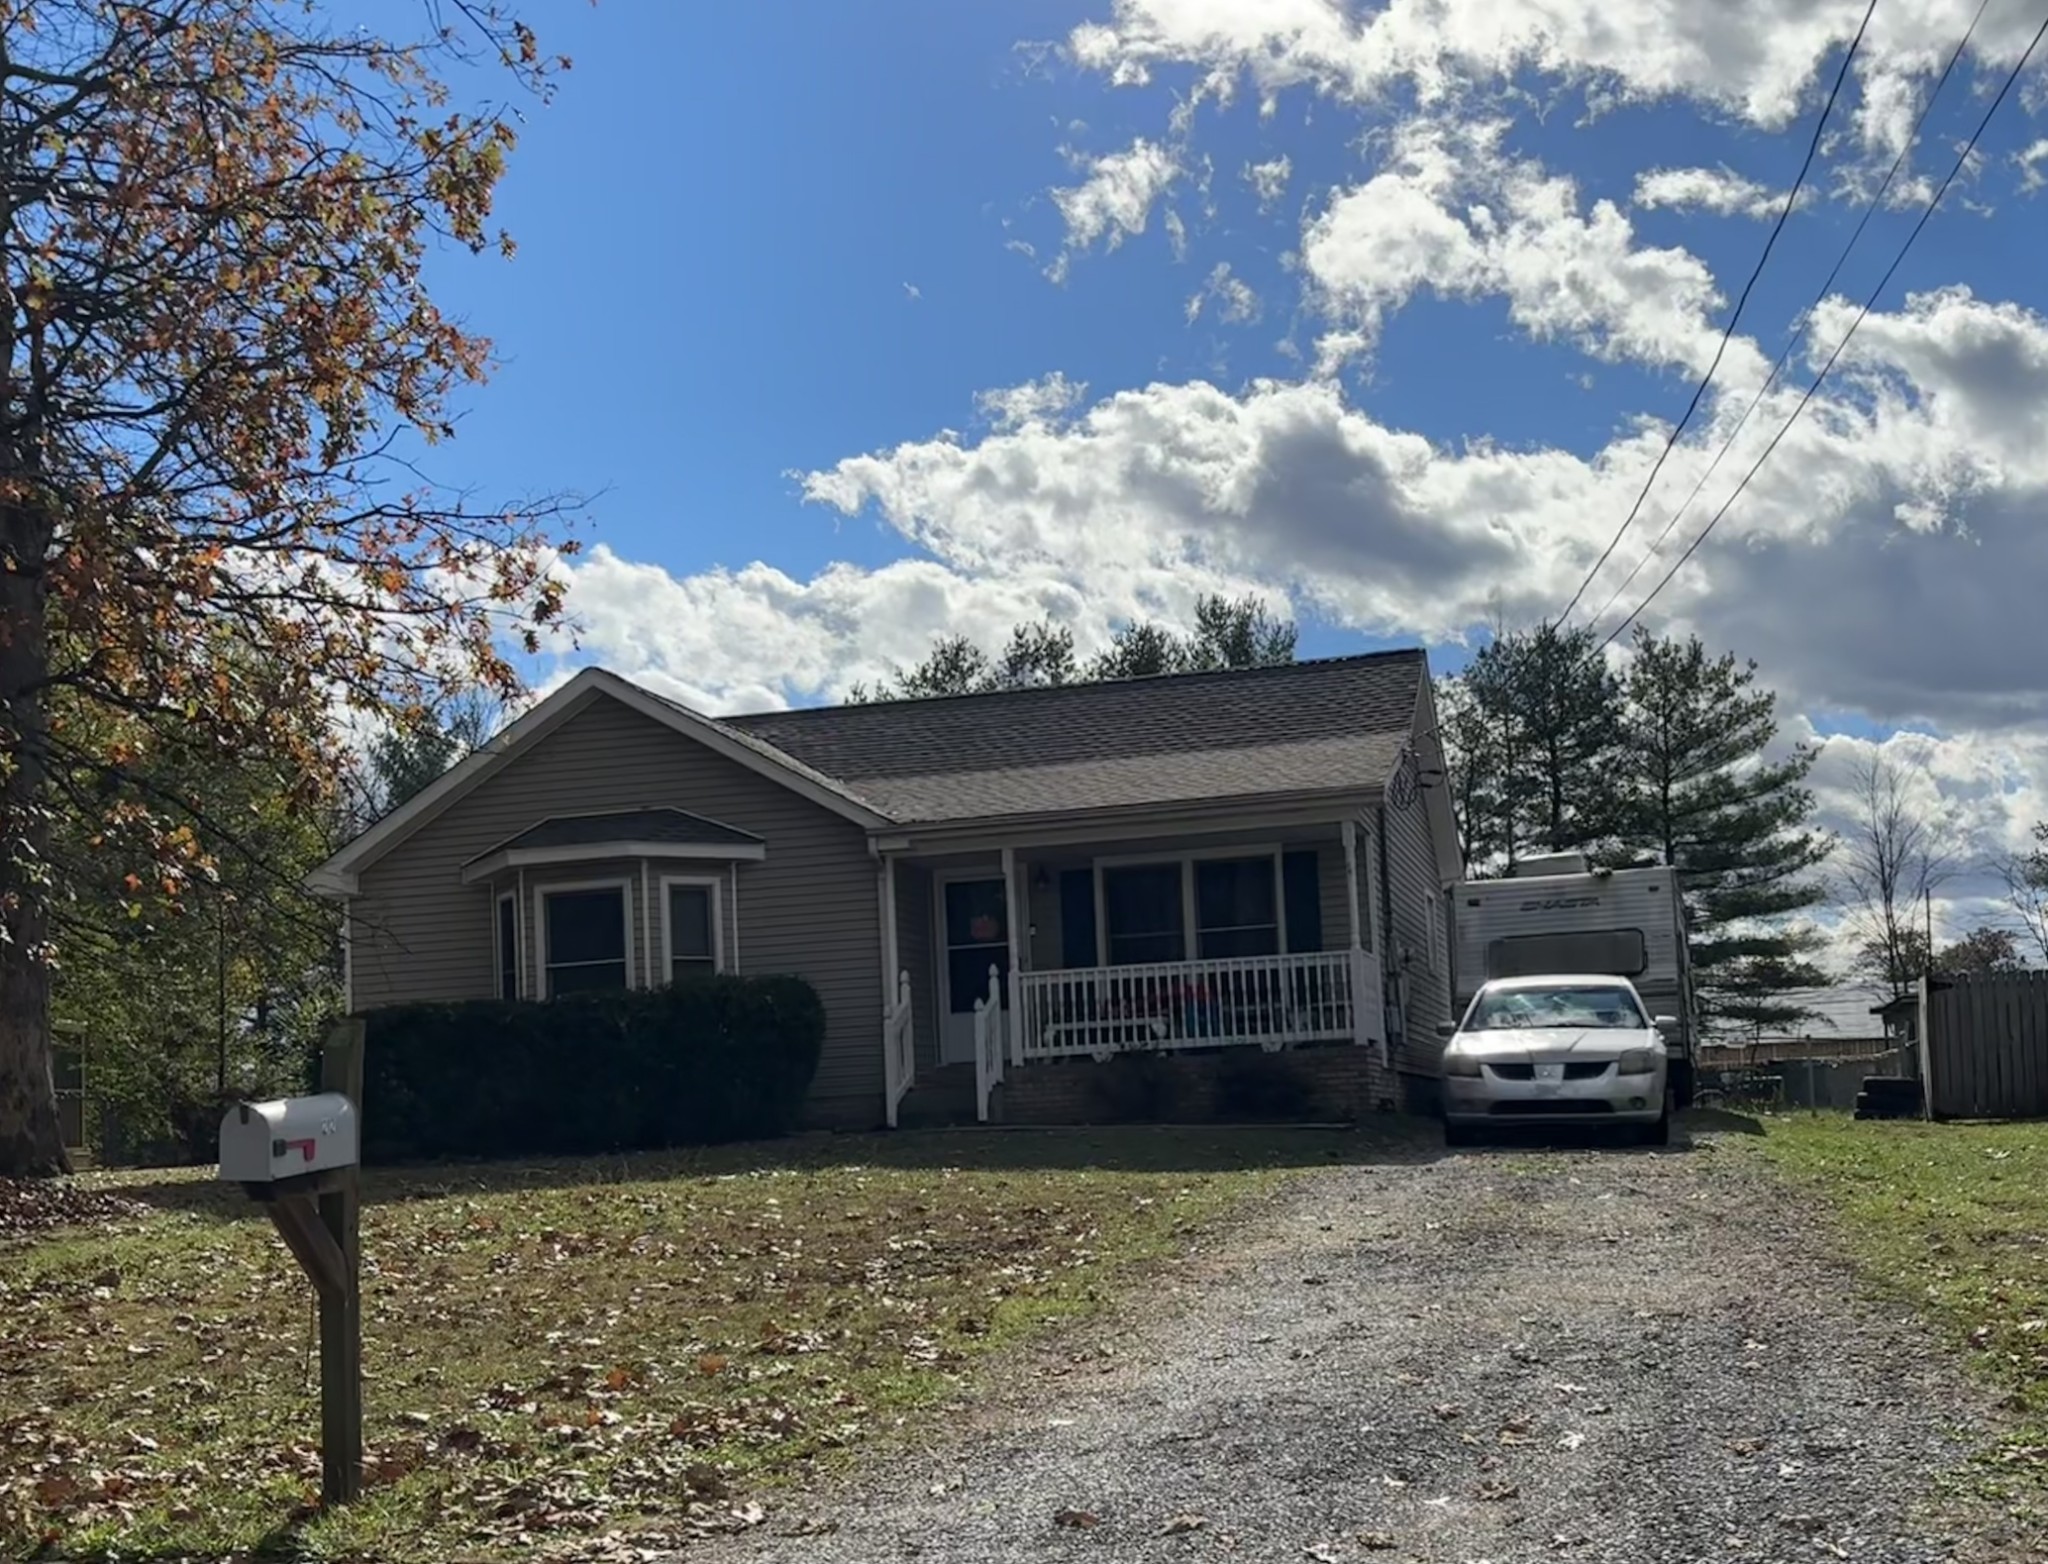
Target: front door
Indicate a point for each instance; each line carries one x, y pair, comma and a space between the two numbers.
975, 930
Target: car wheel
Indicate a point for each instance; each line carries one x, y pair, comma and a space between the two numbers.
1659, 1134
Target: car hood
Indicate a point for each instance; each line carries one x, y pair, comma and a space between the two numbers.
1553, 1041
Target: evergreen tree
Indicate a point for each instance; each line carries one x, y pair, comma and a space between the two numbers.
1541, 723
410, 754
1228, 633
1701, 795
1238, 633
1138, 650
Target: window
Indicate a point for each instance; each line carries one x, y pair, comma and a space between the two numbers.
1144, 913
976, 927
1561, 1008
1209, 908
508, 947
1617, 952
696, 944
1237, 907
584, 939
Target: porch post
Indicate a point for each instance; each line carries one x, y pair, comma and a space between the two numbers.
889, 936
1362, 1004
1016, 958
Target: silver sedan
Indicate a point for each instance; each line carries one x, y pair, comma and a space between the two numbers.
1557, 1050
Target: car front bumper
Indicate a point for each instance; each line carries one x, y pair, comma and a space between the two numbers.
1608, 1098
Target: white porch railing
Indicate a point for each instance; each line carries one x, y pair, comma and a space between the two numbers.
988, 1044
899, 1049
1270, 1001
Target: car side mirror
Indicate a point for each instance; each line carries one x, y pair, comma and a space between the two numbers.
1447, 1029
1665, 1023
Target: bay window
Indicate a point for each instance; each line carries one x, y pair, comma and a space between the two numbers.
583, 939
693, 936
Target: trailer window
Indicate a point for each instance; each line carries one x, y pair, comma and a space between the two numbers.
1616, 952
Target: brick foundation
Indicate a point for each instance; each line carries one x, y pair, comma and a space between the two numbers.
1340, 1082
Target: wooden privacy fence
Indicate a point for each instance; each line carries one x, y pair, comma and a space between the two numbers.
1984, 1045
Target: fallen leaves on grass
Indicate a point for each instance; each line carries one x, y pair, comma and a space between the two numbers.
560, 1361
1076, 1520
30, 1207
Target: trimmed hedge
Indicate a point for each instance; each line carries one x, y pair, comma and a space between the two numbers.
716, 1058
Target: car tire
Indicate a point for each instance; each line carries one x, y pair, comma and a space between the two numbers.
1659, 1133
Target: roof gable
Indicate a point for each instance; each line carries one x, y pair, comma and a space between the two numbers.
337, 877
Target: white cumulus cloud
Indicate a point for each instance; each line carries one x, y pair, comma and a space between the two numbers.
1115, 199
1721, 191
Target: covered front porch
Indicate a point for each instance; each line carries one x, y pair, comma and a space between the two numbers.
1004, 958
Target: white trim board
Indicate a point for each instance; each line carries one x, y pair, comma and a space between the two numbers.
604, 852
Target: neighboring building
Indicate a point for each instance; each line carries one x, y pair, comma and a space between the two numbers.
1185, 864
1900, 1018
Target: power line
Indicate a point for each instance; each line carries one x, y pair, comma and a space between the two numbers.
1728, 334
1962, 159
1805, 318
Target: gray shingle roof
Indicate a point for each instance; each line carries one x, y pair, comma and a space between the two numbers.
1304, 727
628, 825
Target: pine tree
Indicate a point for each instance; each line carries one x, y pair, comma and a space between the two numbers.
1539, 730
1702, 795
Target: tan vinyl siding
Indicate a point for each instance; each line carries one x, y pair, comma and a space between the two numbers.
1412, 871
419, 933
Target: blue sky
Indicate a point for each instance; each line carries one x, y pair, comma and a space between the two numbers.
773, 255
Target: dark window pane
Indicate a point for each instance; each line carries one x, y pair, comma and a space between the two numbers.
508, 949
586, 926
1129, 950
1240, 942
1077, 918
967, 975
689, 921
1615, 951
974, 913
1234, 892
1302, 872
602, 976
1143, 899
683, 968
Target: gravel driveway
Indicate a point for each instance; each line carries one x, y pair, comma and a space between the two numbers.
1504, 1355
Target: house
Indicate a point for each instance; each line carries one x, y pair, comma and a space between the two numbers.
993, 894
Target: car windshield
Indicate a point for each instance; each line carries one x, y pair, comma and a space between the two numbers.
1579, 1005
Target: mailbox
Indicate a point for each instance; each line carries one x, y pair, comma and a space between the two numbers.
268, 1142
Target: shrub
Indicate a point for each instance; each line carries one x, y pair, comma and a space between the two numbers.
721, 1058
1261, 1086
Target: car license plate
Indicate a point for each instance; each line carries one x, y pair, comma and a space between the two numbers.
1549, 1072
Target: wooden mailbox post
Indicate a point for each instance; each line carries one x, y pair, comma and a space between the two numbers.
317, 1213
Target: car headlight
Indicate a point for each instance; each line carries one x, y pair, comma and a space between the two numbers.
1640, 1061
1456, 1063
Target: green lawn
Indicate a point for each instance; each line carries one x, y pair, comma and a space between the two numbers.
559, 1351
1954, 1217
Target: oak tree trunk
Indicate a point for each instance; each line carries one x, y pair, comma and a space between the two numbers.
31, 1141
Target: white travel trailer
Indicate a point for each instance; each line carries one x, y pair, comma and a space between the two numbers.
1557, 914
